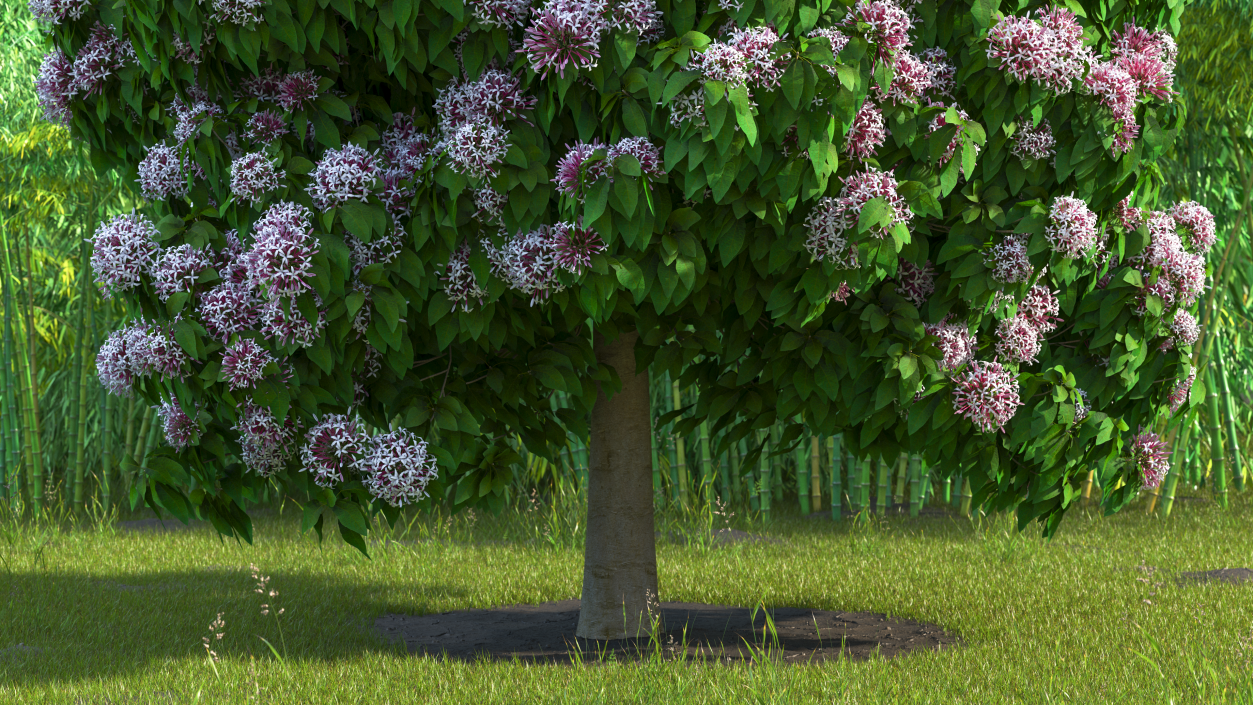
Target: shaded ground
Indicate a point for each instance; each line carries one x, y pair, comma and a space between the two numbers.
544, 633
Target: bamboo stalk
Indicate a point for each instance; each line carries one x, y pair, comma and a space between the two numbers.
1217, 459
1177, 456
679, 468
965, 497
725, 492
12, 456
815, 473
106, 450
946, 486
652, 442
80, 457
885, 482
802, 478
1229, 414
956, 499
864, 502
833, 452
1086, 493
37, 473
763, 488
750, 482
706, 465
736, 474
776, 465
855, 504
915, 485
902, 478
927, 489
29, 407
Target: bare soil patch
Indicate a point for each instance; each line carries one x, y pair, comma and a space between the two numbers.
544, 633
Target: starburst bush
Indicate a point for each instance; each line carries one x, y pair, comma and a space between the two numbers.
854, 215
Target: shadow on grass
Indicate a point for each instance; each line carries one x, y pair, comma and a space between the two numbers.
64, 627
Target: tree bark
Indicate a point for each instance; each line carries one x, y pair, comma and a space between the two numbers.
620, 557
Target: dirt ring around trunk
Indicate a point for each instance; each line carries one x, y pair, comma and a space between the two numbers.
544, 633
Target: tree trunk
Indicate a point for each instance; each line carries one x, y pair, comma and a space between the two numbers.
620, 558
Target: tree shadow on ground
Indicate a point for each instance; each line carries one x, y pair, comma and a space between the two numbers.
63, 627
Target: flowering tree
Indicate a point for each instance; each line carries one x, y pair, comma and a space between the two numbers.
381, 234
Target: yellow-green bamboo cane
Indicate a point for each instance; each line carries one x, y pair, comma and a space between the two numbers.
1178, 455
706, 466
763, 483
885, 486
965, 497
776, 465
680, 464
915, 485
833, 453
1229, 416
802, 478
902, 478
815, 473
106, 451
1218, 461
80, 454
736, 473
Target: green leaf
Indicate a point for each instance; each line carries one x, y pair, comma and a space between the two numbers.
352, 538
350, 515
633, 117
358, 218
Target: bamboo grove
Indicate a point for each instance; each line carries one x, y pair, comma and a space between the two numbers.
65, 442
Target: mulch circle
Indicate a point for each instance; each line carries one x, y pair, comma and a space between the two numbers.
544, 633
1233, 576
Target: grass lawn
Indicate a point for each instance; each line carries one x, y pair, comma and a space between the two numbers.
1095, 616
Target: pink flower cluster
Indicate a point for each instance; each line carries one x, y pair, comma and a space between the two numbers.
1034, 142
565, 34
1128, 216
827, 240
938, 122
1180, 392
241, 12
915, 283
180, 429
943, 73
54, 87
283, 323
1072, 228
1152, 456
528, 263
189, 118
986, 394
228, 308
841, 293
1008, 260
838, 40
1082, 407
281, 258
1116, 90
122, 249
1049, 51
576, 169
910, 82
575, 245
295, 91
380, 250
1184, 328
459, 282
1149, 58
244, 363
1198, 222
342, 175
471, 119
265, 126
688, 108
404, 146
177, 269
57, 11
1017, 341
888, 26
639, 16
104, 54
500, 13
396, 467
867, 132
333, 445
139, 350
164, 173
957, 344
746, 57
489, 204
252, 176
1183, 272
266, 444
